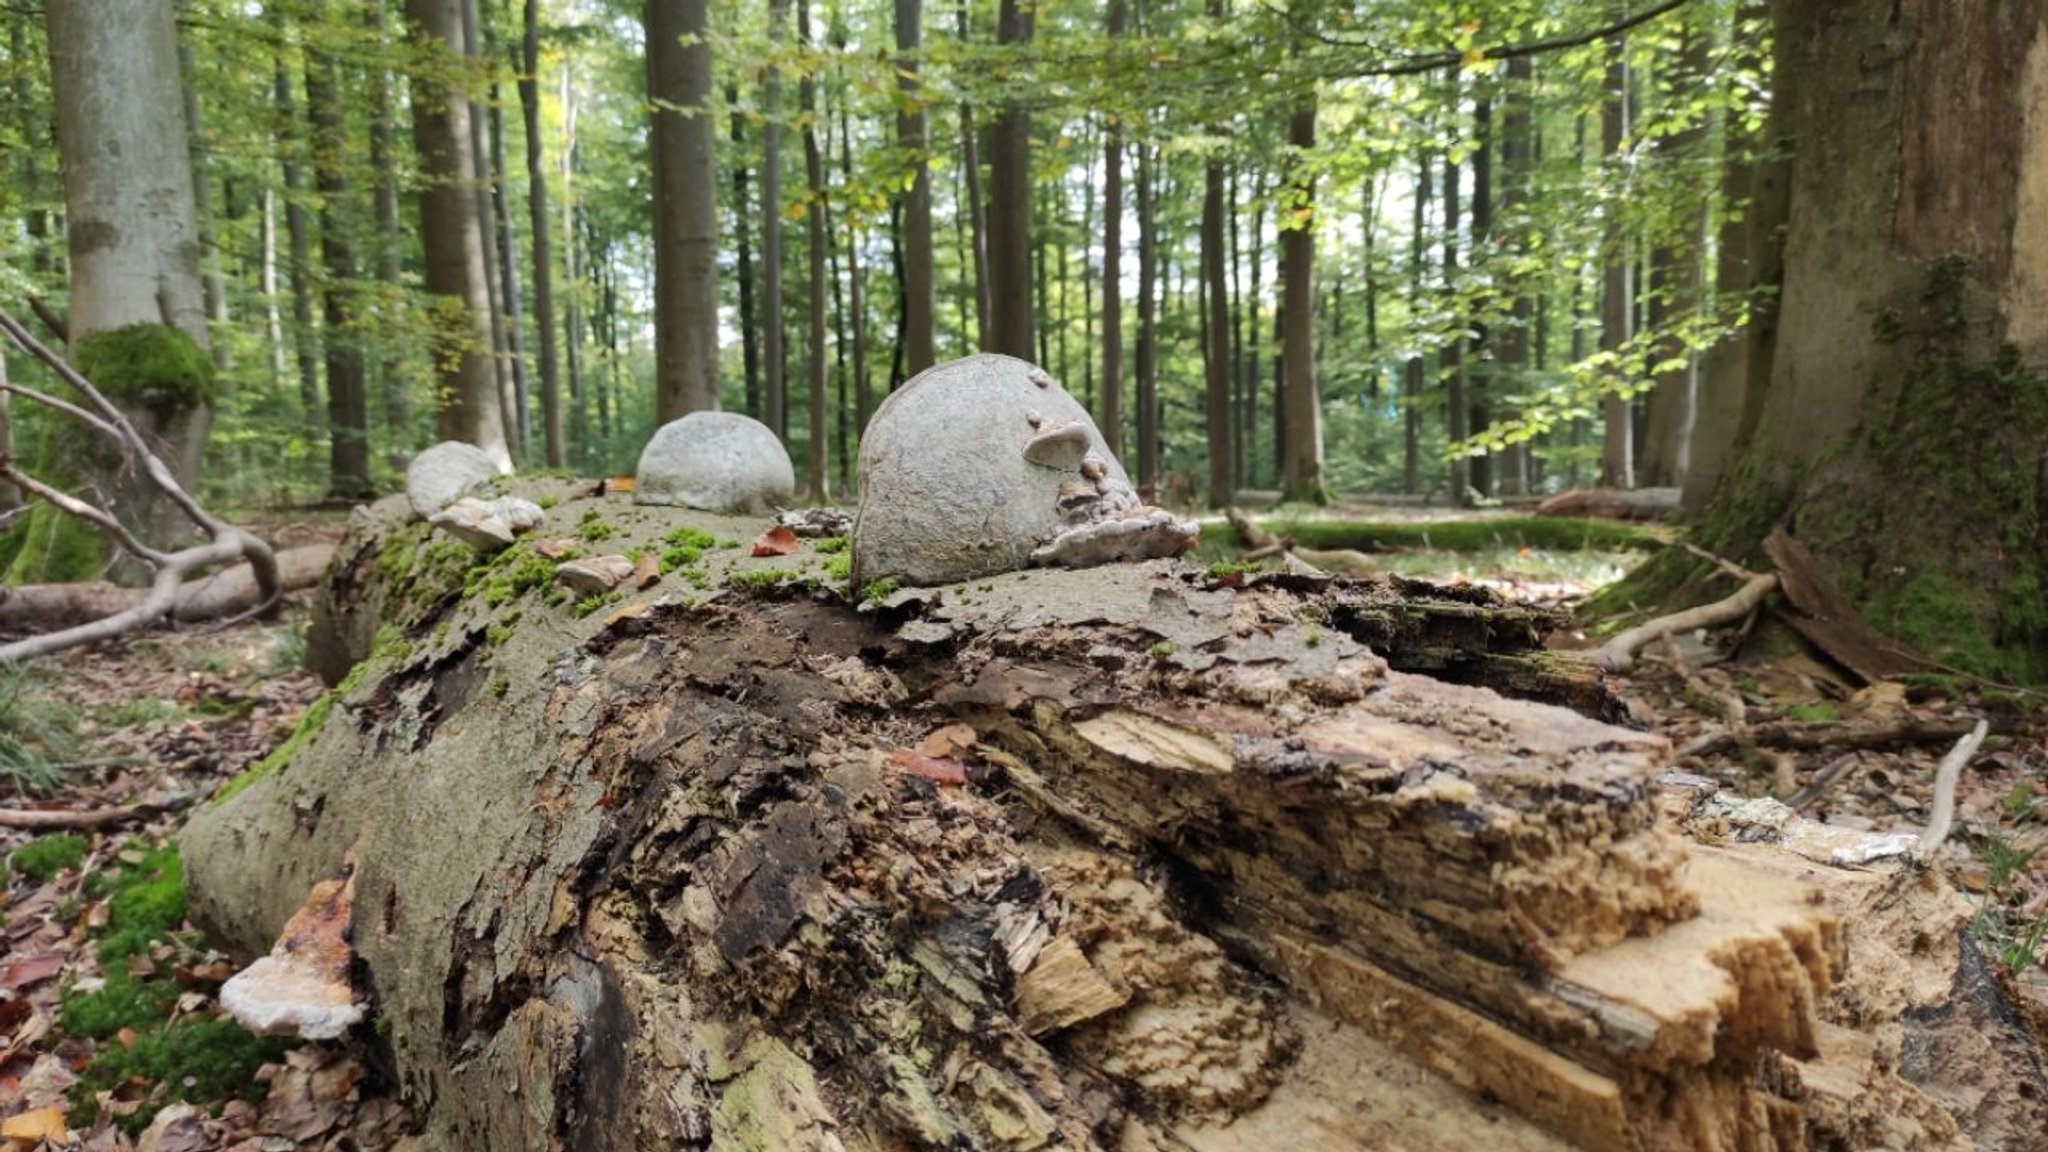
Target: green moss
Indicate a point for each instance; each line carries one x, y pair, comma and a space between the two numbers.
1671, 579
47, 547
309, 726
509, 575
589, 604
1225, 569
839, 568
879, 590
154, 367
196, 1060
685, 546
592, 526
146, 905
831, 544
43, 858
759, 579
1818, 712
1546, 532
121, 1001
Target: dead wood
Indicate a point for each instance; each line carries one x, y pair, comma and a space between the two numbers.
44, 819
30, 608
1217, 877
225, 543
1830, 622
1619, 653
1787, 734
1613, 503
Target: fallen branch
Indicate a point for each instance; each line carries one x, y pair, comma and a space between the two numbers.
37, 819
227, 544
1831, 735
1619, 653
1822, 780
32, 608
1945, 778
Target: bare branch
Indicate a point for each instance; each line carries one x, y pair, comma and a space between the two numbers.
1452, 58
1618, 654
45, 818
66, 407
1945, 778
71, 505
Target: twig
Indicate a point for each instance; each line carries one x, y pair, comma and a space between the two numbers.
1945, 778
1822, 780
50, 319
1619, 654
1727, 566
1451, 58
1828, 735
38, 818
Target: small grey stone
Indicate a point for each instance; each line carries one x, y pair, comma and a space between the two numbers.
595, 576
518, 513
716, 462
447, 470
474, 523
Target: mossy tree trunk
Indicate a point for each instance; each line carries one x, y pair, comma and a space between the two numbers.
1898, 432
137, 314
1126, 858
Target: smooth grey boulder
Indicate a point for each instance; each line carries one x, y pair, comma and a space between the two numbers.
448, 470
987, 465
715, 462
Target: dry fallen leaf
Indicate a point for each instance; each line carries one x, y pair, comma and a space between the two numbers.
36, 1126
948, 773
26, 971
951, 740
777, 541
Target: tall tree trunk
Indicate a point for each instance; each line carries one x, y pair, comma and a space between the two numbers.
485, 190
750, 319
1453, 360
213, 283
912, 135
574, 274
857, 320
1617, 287
1478, 381
1511, 354
1677, 266
511, 305
1255, 335
1088, 276
685, 208
817, 239
452, 233
392, 381
1147, 359
1301, 411
348, 398
273, 313
774, 356
297, 226
553, 449
1013, 322
977, 210
1217, 313
1111, 415
1415, 372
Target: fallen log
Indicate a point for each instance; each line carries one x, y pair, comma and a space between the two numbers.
1613, 503
1122, 858
36, 608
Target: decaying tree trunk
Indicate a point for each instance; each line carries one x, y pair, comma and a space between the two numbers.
1124, 858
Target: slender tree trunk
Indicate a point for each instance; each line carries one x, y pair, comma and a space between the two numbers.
348, 399
977, 210
1617, 295
774, 357
483, 188
273, 312
1255, 334
750, 320
1517, 162
685, 208
817, 239
1676, 292
912, 135
1088, 276
451, 230
512, 305
553, 448
1111, 415
1217, 315
1415, 374
1238, 479
1479, 383
1453, 360
390, 236
574, 275
1301, 476
857, 320
212, 283
1014, 322
297, 227
1147, 364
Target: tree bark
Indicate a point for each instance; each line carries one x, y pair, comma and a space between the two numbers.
919, 301
348, 396
977, 211
130, 230
856, 292
1134, 876
1222, 490
1677, 266
1301, 413
452, 234
1416, 371
1909, 333
1146, 358
1518, 162
750, 318
1452, 359
553, 447
297, 228
512, 303
484, 189
1617, 285
1013, 324
773, 354
390, 239
1110, 417
685, 208
817, 241
1478, 378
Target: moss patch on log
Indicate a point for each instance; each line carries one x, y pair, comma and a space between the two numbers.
1546, 532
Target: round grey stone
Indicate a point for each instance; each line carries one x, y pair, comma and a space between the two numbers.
961, 472
437, 476
715, 462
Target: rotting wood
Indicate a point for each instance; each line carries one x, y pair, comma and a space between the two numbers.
46, 607
671, 883
1827, 619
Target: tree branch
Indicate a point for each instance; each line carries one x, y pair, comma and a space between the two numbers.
1452, 58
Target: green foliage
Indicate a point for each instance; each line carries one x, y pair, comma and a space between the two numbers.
510, 574
593, 527
759, 579
1547, 532
195, 1059
46, 856
685, 546
155, 367
47, 546
145, 902
879, 590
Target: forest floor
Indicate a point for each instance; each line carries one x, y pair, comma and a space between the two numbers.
110, 1036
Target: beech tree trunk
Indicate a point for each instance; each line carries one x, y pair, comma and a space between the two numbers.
1301, 408
1013, 323
348, 388
553, 447
919, 301
1216, 313
1145, 358
1110, 416
774, 355
817, 238
1165, 866
452, 233
1898, 433
1617, 284
685, 208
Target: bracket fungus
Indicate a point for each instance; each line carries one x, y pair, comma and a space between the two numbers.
986, 465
